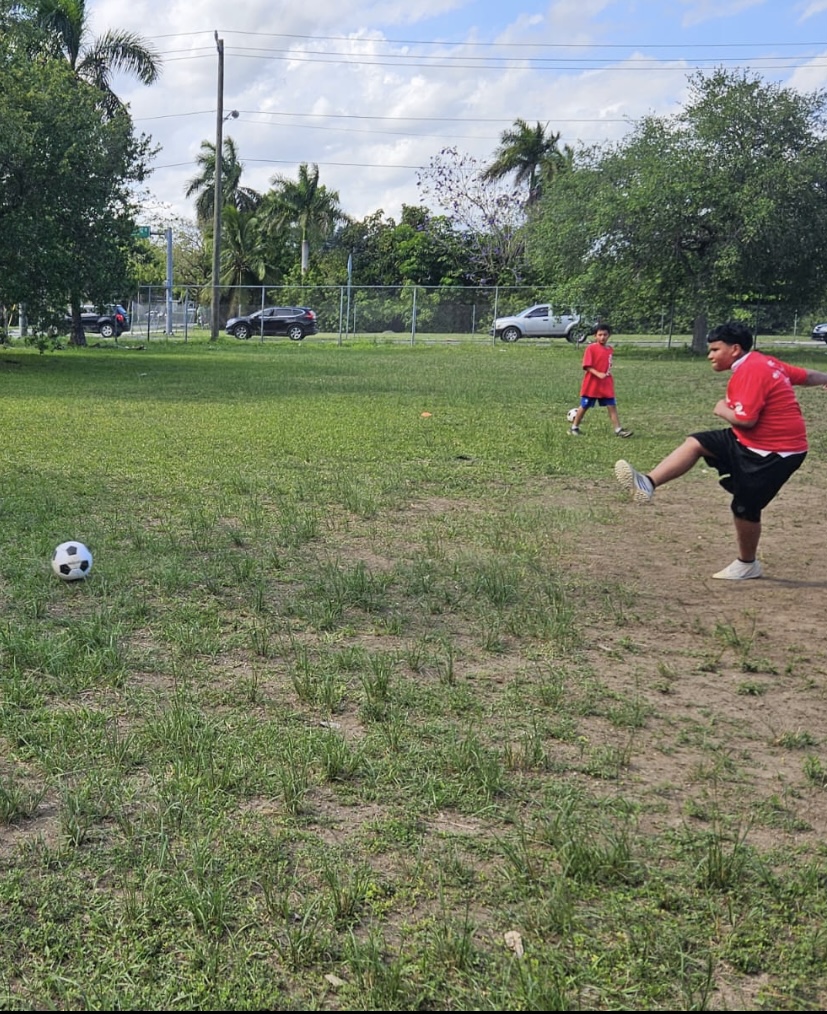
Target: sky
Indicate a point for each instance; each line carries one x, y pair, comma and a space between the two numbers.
372, 90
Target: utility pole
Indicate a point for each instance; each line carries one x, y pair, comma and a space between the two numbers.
215, 302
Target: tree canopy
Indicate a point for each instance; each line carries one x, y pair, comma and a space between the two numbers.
69, 158
716, 210
66, 171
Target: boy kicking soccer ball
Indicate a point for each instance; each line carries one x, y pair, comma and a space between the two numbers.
765, 444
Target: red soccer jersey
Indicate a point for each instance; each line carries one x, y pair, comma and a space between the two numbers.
598, 357
761, 387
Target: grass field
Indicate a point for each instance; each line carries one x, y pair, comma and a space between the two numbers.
327, 727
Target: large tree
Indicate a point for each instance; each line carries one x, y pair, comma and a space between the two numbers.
704, 210
66, 179
52, 33
306, 205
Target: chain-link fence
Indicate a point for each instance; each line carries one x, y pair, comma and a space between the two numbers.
155, 313
405, 313
402, 313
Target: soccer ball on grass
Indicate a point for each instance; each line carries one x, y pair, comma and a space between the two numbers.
571, 415
71, 561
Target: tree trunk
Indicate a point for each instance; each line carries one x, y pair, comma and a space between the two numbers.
699, 332
77, 336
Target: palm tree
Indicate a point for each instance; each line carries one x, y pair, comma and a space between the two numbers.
94, 60
202, 185
529, 153
306, 204
243, 252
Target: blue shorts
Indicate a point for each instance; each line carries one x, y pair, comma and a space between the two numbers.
591, 402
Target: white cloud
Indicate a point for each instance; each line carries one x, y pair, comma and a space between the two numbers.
700, 11
812, 76
811, 9
573, 20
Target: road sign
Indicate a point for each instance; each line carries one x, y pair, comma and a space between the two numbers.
141, 232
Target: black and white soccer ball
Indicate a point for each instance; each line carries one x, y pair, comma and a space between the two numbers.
71, 561
571, 415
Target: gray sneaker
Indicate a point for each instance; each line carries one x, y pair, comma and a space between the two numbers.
640, 486
574, 431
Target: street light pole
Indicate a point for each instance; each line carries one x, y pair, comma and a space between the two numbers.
215, 302
168, 283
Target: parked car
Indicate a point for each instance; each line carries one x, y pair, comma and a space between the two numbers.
293, 321
110, 322
540, 321
819, 333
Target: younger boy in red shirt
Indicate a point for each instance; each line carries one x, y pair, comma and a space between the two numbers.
598, 385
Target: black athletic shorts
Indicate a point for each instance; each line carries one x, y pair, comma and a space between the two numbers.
753, 479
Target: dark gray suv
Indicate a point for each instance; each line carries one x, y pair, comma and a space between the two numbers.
293, 321
110, 322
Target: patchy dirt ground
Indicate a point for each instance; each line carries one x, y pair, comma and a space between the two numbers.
735, 673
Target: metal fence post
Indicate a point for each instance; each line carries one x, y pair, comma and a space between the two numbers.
168, 284
413, 315
349, 291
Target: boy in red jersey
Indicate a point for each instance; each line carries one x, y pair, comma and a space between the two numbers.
765, 444
598, 385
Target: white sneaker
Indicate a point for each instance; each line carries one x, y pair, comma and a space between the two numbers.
640, 486
740, 571
574, 431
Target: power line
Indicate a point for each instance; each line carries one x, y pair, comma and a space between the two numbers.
393, 119
253, 116
297, 161
466, 63
478, 44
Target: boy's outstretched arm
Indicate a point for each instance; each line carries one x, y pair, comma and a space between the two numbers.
815, 378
